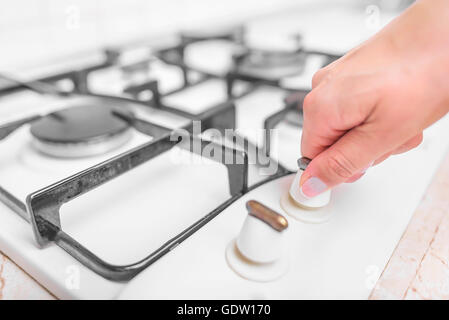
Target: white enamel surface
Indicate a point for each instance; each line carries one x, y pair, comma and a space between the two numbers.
113, 81
258, 241
337, 29
265, 38
303, 80
213, 57
198, 98
252, 110
328, 260
17, 105
261, 272
24, 170
318, 201
306, 215
375, 211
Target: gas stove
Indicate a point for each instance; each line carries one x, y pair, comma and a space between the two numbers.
131, 177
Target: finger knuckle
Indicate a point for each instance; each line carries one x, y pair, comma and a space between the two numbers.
341, 166
316, 79
309, 102
314, 101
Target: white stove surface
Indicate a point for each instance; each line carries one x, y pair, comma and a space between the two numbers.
137, 214
127, 218
340, 259
112, 81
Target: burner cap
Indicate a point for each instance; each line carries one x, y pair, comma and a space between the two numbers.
271, 65
80, 131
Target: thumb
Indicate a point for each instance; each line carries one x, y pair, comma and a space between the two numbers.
352, 154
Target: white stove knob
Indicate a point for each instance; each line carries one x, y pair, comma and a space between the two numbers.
303, 208
258, 252
260, 239
318, 201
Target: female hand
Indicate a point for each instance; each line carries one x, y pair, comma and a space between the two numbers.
377, 99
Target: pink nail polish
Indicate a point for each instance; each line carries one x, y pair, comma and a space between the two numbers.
313, 187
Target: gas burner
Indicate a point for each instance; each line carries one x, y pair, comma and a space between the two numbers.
234, 34
207, 51
267, 59
269, 65
80, 131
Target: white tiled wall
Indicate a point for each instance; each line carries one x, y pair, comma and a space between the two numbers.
35, 31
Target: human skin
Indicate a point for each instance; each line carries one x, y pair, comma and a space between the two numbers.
377, 99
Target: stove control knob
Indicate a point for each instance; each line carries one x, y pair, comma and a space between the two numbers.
319, 201
260, 239
305, 209
258, 252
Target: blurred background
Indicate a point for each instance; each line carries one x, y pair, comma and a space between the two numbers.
39, 32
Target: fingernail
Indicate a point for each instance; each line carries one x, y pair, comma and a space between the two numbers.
313, 187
